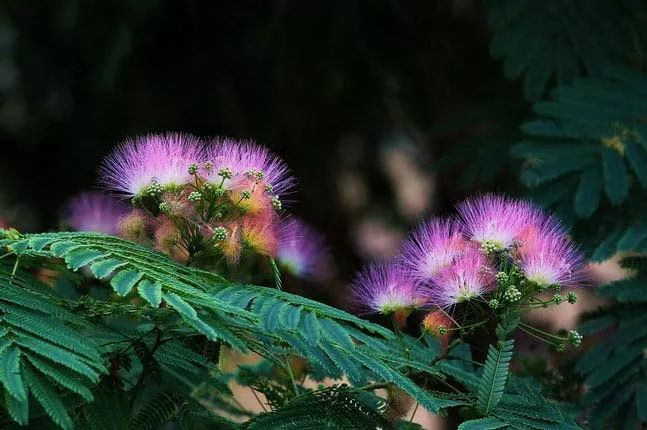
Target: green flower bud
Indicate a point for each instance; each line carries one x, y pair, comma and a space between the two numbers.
219, 192
219, 233
442, 330
193, 169
246, 194
268, 188
560, 348
164, 207
502, 277
575, 338
154, 189
226, 173
512, 295
571, 297
276, 203
255, 175
558, 298
556, 287
195, 196
494, 304
488, 248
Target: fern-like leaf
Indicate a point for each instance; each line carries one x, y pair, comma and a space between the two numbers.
495, 374
48, 399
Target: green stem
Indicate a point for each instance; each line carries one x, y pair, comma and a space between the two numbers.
258, 399
539, 331
398, 333
414, 412
529, 333
15, 267
288, 367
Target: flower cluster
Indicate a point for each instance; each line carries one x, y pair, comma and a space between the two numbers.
302, 251
498, 251
200, 198
93, 211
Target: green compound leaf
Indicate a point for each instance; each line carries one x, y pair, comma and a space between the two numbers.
495, 375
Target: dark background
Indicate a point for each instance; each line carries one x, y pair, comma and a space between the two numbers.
373, 104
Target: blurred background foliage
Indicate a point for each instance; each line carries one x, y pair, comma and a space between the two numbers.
360, 98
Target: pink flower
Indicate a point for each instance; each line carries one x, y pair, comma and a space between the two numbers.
93, 211
547, 257
437, 323
467, 278
162, 159
302, 250
386, 289
431, 247
496, 221
247, 164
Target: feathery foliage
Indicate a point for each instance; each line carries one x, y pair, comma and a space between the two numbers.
556, 41
589, 140
271, 322
336, 407
495, 371
614, 369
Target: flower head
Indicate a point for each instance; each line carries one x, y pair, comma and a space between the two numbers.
437, 323
152, 162
259, 234
231, 246
468, 277
302, 250
547, 257
385, 288
134, 226
243, 165
93, 211
168, 238
431, 247
496, 221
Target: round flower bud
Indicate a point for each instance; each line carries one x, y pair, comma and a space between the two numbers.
164, 207
494, 304
488, 247
246, 194
195, 196
575, 338
512, 295
268, 188
193, 169
560, 348
255, 175
154, 189
219, 192
502, 277
558, 298
276, 203
571, 297
225, 173
220, 233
